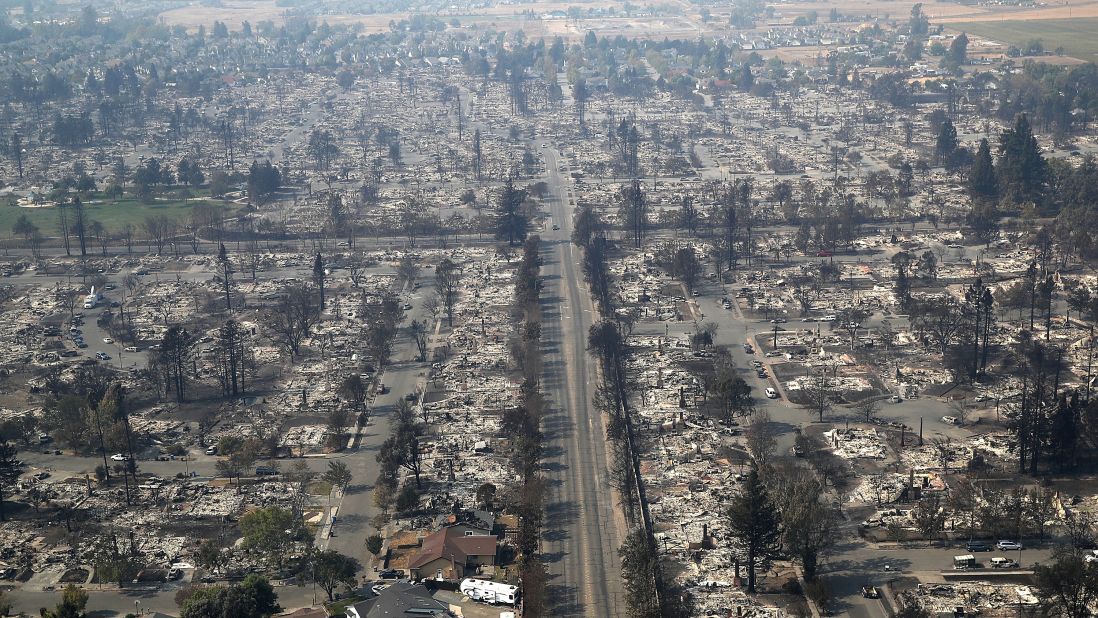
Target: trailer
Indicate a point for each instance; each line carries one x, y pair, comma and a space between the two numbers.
492, 593
965, 562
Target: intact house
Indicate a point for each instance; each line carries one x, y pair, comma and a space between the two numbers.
399, 599
453, 553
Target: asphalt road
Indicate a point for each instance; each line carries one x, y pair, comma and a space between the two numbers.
581, 535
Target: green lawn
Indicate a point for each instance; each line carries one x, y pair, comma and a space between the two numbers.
113, 214
1077, 36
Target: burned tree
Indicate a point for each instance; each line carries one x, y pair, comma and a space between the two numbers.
293, 318
175, 352
225, 266
447, 280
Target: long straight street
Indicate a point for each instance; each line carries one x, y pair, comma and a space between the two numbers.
582, 535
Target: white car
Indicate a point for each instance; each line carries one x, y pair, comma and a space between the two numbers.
771, 393
1008, 546
118, 457
950, 420
895, 399
108, 340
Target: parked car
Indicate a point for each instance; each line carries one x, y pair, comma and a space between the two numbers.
108, 340
977, 546
131, 348
118, 457
870, 592
771, 393
951, 420
1008, 546
102, 356
1003, 563
389, 574
895, 399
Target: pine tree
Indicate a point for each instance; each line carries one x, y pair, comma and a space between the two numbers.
755, 522
946, 142
982, 183
1022, 168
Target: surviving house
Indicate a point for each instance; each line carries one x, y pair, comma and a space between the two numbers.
453, 553
399, 599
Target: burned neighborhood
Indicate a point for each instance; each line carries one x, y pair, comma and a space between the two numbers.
715, 309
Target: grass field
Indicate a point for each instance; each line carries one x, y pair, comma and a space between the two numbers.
114, 215
1077, 36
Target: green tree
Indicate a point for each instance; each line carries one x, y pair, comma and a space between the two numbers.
269, 531
1022, 167
10, 469
946, 142
958, 49
1068, 587
810, 527
511, 218
332, 569
338, 475
374, 543
982, 183
263, 180
755, 522
23, 227
73, 602
639, 570
252, 598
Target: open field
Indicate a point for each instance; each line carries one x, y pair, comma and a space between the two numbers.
1076, 36
880, 8
235, 12
113, 215
1052, 11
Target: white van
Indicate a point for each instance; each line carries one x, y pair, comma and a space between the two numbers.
771, 393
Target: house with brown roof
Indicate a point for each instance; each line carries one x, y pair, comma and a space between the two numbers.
452, 554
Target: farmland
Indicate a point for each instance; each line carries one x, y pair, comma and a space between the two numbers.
1076, 36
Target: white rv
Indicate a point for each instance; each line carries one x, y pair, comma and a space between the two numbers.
92, 299
492, 593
